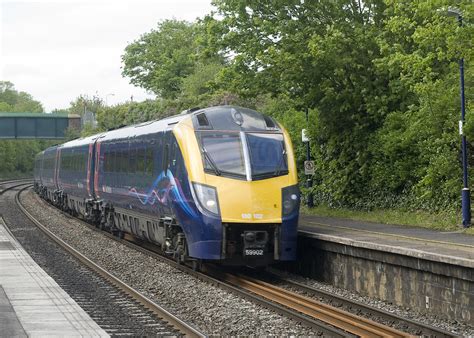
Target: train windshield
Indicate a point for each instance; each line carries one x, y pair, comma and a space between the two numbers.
223, 152
251, 155
267, 154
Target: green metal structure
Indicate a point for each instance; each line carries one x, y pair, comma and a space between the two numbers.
36, 125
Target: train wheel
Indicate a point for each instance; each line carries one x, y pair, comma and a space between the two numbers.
197, 264
177, 258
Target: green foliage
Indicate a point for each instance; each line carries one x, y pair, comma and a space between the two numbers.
161, 60
83, 103
112, 117
379, 77
443, 220
416, 151
16, 156
319, 55
17, 102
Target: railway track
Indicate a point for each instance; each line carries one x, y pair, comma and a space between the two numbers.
326, 320
341, 319
12, 184
120, 291
355, 306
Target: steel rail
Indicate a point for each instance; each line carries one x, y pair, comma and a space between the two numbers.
2, 182
185, 328
425, 329
347, 321
4, 190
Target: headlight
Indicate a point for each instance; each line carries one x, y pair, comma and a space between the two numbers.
290, 199
207, 198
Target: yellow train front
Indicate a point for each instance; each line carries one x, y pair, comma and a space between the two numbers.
241, 168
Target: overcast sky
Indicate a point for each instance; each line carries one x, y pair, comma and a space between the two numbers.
57, 50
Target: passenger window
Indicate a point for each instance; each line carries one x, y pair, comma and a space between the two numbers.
141, 161
123, 162
113, 161
133, 159
149, 160
85, 161
107, 162
119, 161
126, 161
74, 163
78, 161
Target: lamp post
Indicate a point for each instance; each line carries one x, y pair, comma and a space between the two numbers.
465, 194
309, 179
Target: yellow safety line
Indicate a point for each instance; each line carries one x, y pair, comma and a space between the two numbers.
393, 235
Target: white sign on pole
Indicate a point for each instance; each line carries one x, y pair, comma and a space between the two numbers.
304, 137
309, 167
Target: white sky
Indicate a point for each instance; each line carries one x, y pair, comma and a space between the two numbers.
57, 50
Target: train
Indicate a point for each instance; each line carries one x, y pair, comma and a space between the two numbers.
217, 184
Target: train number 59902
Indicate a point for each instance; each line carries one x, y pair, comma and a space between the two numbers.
253, 252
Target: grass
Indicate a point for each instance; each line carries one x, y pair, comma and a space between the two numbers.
445, 221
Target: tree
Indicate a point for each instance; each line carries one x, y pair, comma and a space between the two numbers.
319, 55
13, 101
417, 149
17, 156
380, 79
172, 61
160, 59
83, 102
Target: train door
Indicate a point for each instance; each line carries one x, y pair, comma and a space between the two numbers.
94, 168
57, 159
165, 165
91, 160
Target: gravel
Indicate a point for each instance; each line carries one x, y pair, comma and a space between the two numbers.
213, 310
114, 312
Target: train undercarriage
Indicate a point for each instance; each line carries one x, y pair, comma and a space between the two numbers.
242, 243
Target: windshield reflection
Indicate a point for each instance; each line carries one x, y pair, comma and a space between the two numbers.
223, 153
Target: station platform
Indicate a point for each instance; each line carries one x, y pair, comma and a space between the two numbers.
32, 304
421, 269
454, 247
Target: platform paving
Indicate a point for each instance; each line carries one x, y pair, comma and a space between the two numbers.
454, 247
32, 304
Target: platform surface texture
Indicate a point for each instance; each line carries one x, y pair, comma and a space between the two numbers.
32, 304
453, 247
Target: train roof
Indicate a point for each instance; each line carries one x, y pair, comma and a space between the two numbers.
81, 141
38, 155
233, 118
145, 128
217, 117
52, 148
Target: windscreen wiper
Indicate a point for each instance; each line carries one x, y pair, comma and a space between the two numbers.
211, 161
